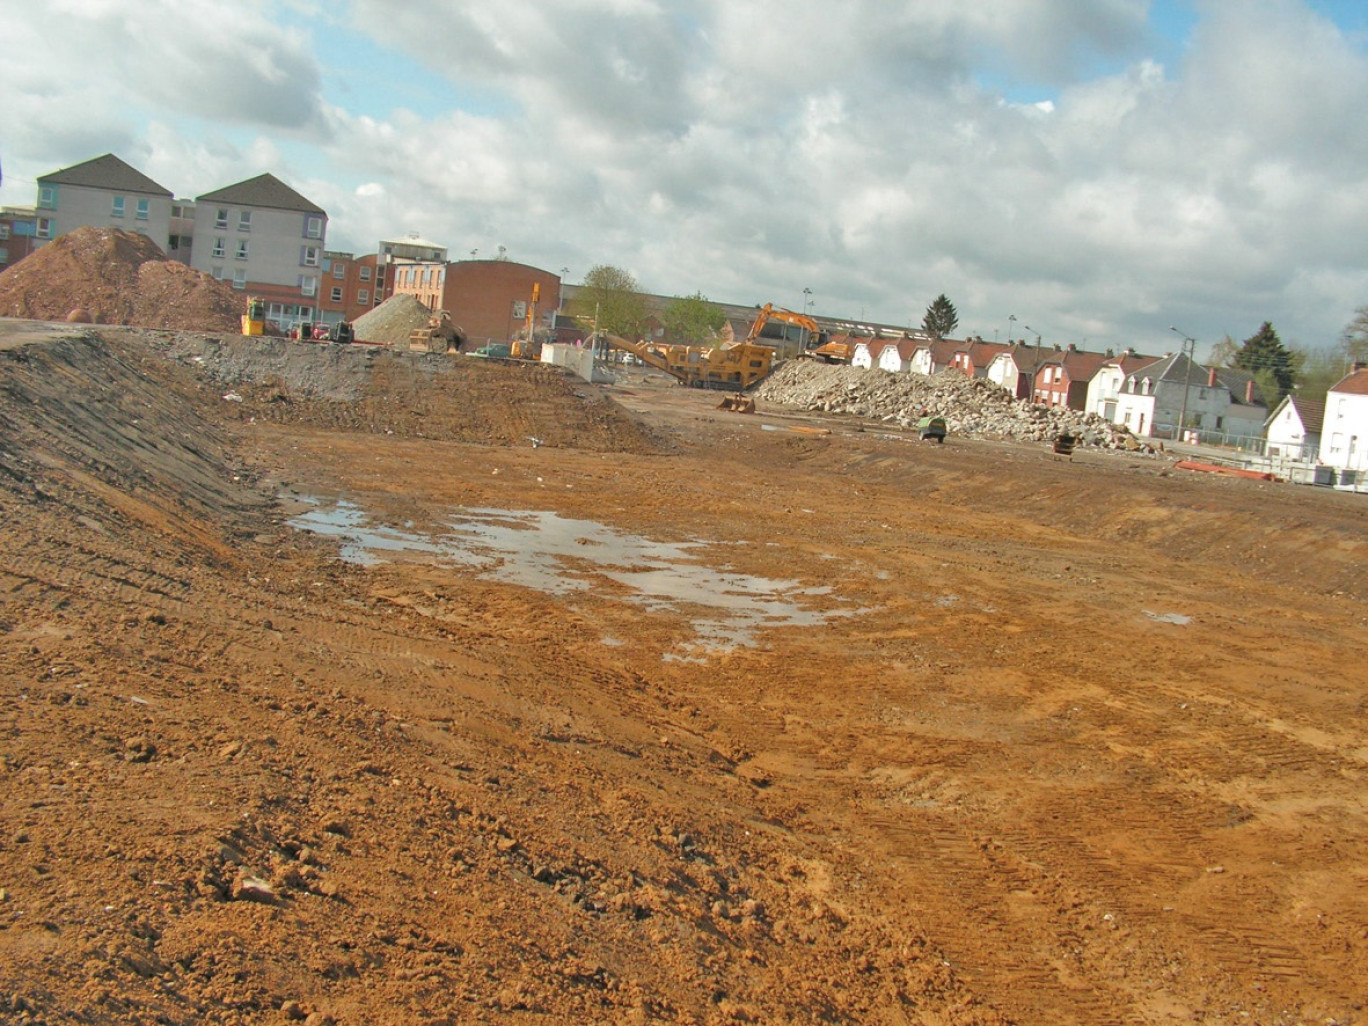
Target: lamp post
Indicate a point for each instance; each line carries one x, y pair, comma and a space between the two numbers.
1188, 349
1011, 327
803, 332
1036, 369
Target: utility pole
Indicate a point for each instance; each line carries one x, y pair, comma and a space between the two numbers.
1188, 349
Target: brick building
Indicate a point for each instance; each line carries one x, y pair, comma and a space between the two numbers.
489, 299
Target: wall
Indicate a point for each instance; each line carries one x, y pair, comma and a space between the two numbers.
79, 206
1344, 437
487, 298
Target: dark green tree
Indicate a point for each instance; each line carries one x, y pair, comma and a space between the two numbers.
610, 298
693, 319
941, 318
1269, 360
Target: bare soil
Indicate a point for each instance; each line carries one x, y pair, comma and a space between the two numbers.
1085, 743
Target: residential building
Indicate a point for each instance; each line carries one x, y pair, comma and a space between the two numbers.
180, 243
18, 234
1160, 395
267, 240
350, 286
934, 356
103, 193
1344, 432
1063, 376
1293, 430
489, 299
1015, 369
1110, 379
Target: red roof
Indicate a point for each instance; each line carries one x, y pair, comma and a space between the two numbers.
1354, 384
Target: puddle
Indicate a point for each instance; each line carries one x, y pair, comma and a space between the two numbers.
1177, 618
562, 556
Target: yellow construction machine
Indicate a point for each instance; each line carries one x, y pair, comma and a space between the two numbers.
254, 320
440, 335
734, 368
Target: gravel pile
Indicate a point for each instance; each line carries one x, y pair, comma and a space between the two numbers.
392, 321
116, 277
971, 407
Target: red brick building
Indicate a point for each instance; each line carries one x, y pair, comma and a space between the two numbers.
350, 286
489, 299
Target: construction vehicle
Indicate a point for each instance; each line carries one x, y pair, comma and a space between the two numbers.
770, 312
439, 336
737, 403
254, 320
734, 368
833, 351
932, 427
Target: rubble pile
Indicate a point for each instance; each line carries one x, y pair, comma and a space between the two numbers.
112, 276
971, 407
391, 322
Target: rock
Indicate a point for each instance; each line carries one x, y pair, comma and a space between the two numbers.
293, 1011
253, 888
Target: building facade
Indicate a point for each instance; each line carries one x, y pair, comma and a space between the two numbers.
103, 193
1344, 433
267, 240
18, 234
489, 299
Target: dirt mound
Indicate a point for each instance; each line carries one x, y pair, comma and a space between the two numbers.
116, 277
392, 321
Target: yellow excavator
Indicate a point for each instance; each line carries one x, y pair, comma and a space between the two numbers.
254, 320
733, 368
770, 312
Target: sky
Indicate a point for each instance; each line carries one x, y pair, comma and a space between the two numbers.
1094, 172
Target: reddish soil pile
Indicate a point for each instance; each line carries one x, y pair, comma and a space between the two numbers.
116, 277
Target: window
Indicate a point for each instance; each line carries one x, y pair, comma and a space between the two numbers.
379, 274
221, 220
219, 248
336, 294
144, 208
44, 228
4, 231
308, 256
118, 207
365, 274
217, 272
339, 269
363, 295
47, 197
4, 255
241, 253
313, 227
379, 299
308, 286
177, 210
239, 277
244, 220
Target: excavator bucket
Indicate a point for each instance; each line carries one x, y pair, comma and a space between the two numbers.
737, 404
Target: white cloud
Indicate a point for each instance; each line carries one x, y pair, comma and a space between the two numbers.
1036, 158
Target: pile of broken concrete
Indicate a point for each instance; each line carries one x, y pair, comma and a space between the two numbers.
972, 407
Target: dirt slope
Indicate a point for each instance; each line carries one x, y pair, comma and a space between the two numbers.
1077, 742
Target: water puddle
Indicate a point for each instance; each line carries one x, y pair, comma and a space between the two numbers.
562, 556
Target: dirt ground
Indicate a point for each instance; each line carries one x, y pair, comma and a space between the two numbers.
1008, 738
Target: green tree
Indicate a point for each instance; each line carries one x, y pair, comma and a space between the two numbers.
1317, 371
1354, 341
1271, 363
609, 297
691, 319
941, 318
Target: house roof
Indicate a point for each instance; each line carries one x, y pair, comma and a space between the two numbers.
1311, 412
266, 191
107, 172
1354, 383
1078, 365
1238, 380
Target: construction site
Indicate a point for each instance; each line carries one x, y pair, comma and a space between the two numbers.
385, 684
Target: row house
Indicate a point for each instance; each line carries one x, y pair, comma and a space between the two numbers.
1294, 429
1016, 369
1109, 381
1175, 394
266, 239
1062, 378
104, 192
18, 234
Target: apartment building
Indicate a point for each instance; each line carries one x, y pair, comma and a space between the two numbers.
18, 234
103, 193
351, 286
265, 239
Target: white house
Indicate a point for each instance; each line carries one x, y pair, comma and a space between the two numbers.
1155, 397
1293, 430
897, 357
1344, 432
103, 193
1109, 381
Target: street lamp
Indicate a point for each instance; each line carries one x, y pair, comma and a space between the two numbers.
1188, 349
1011, 327
1036, 370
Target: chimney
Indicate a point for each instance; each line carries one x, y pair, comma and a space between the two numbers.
1249, 391
1357, 366
1211, 377
1073, 348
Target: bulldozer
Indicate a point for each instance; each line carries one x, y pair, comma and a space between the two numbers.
440, 335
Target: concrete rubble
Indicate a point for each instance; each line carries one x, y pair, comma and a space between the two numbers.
972, 407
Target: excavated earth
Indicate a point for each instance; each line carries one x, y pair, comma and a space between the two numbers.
343, 685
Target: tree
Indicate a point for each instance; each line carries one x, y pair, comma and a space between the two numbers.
1264, 354
609, 298
941, 318
1225, 353
693, 319
1318, 370
1355, 338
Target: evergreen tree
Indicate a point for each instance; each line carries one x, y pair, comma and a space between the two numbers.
941, 318
1271, 363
